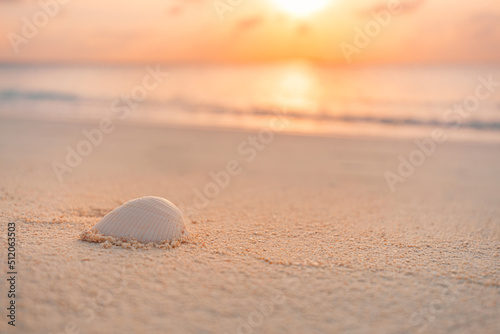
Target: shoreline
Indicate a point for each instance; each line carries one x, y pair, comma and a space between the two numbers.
179, 127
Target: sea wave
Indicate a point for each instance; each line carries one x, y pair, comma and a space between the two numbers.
9, 94
182, 105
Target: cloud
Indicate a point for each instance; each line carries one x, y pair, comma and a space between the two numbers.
249, 23
484, 25
191, 1
303, 29
482, 32
174, 11
180, 6
409, 6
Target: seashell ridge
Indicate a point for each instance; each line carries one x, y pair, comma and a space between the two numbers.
146, 219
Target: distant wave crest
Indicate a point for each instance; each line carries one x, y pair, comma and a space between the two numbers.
183, 105
36, 95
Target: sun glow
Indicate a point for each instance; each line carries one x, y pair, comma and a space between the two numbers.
301, 7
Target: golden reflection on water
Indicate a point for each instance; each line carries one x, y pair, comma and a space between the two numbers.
297, 87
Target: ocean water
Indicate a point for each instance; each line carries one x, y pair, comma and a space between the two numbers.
367, 101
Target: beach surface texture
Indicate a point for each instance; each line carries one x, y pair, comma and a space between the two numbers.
288, 234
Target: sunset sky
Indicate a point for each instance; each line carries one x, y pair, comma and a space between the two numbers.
426, 31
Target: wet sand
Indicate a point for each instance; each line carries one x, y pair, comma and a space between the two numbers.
307, 237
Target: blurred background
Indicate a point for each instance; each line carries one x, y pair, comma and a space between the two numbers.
364, 68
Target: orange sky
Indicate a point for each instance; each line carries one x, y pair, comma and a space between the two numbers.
255, 30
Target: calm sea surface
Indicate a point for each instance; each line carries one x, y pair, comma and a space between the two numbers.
384, 101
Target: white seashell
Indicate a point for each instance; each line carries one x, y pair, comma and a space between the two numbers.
146, 219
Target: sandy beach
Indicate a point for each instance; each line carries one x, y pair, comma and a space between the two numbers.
232, 167
306, 238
